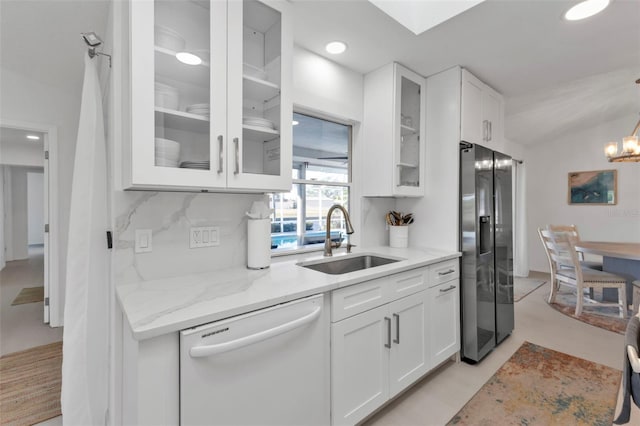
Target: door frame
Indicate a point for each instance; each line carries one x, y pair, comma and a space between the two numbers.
54, 312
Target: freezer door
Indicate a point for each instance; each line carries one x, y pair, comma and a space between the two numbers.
246, 369
477, 246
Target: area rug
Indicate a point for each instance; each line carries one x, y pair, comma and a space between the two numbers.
30, 383
29, 295
539, 386
605, 317
523, 286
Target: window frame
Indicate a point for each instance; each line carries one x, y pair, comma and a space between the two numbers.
348, 184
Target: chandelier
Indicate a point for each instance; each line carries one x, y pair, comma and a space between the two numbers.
630, 147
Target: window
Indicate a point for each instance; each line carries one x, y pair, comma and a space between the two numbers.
321, 178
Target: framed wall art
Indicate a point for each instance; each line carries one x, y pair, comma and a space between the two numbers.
598, 187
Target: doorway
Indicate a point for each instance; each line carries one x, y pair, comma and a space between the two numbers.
29, 294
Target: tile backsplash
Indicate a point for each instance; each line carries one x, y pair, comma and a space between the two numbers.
170, 215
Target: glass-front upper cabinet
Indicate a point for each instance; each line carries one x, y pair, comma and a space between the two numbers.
210, 87
394, 132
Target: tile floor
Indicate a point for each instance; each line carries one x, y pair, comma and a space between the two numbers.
438, 397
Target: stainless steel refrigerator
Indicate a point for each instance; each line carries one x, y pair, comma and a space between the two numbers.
487, 250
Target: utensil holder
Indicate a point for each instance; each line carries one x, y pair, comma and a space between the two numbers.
399, 236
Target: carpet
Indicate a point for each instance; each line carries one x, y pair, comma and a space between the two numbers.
539, 386
523, 286
29, 295
30, 383
605, 317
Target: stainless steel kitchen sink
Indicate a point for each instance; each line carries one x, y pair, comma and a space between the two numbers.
348, 264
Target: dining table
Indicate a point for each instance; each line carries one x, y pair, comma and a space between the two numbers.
619, 258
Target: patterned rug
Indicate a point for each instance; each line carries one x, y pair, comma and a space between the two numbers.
605, 317
30, 385
539, 386
523, 286
29, 295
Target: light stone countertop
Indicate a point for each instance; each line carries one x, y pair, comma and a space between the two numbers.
157, 307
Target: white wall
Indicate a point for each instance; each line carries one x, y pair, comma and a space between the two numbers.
3, 255
35, 208
26, 100
548, 165
19, 224
22, 154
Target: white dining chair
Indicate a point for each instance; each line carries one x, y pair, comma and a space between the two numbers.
572, 230
566, 269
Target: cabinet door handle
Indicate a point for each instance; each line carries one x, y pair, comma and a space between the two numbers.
450, 271
236, 142
485, 130
490, 131
220, 148
388, 321
397, 339
444, 290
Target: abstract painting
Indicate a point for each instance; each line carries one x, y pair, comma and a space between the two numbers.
595, 187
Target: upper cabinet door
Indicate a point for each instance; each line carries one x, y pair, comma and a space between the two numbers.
394, 132
473, 128
210, 96
259, 105
409, 138
173, 102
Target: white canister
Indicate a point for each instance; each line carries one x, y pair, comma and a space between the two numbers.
399, 236
258, 243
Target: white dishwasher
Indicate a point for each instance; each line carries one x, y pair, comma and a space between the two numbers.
268, 367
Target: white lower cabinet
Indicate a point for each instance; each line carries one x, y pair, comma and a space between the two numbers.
377, 354
444, 320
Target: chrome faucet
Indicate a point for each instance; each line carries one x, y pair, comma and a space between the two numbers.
328, 245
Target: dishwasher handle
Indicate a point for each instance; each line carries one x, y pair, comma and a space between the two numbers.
208, 350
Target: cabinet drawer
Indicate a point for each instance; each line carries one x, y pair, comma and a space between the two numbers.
444, 271
408, 282
352, 300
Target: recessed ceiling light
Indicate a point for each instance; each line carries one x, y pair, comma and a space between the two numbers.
336, 47
33, 137
188, 58
585, 9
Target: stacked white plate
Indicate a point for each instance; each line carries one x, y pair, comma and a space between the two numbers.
167, 152
199, 109
258, 122
168, 38
202, 165
166, 96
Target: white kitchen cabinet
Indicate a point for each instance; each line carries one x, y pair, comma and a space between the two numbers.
409, 352
394, 132
359, 365
481, 114
444, 320
230, 115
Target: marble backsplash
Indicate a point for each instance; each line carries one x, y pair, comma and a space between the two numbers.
170, 215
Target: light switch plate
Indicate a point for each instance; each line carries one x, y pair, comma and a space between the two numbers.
204, 236
144, 240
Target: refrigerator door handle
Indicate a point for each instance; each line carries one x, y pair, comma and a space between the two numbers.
208, 350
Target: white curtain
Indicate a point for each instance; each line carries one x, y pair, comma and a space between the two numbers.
86, 313
521, 253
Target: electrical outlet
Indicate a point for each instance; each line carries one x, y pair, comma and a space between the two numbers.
204, 236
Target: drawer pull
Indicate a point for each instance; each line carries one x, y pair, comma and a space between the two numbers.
450, 271
388, 344
444, 290
397, 339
